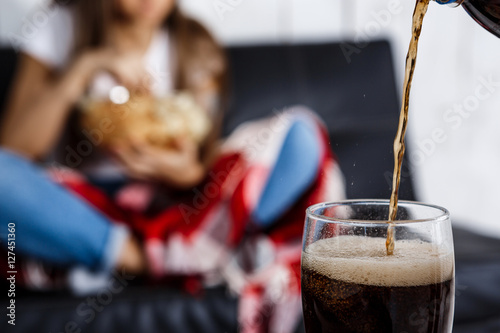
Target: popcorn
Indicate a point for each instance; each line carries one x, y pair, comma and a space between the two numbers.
146, 118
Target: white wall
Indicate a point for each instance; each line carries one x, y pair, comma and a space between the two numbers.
271, 20
462, 170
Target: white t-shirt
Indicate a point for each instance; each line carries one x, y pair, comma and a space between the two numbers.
53, 44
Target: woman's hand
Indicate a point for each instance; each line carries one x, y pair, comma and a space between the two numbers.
179, 167
127, 68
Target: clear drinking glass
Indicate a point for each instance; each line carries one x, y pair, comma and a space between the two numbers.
350, 284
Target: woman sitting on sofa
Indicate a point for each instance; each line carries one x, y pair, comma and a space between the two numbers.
135, 206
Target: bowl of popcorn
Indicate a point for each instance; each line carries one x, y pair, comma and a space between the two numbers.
145, 118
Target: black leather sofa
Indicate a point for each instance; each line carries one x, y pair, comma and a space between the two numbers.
359, 103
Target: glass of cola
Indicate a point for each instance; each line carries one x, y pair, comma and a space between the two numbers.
350, 283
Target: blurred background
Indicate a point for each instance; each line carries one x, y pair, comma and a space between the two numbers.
454, 154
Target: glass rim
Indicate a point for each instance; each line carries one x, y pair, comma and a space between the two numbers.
310, 212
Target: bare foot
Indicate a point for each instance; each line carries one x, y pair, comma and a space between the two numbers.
132, 258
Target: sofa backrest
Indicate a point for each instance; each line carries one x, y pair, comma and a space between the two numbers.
356, 96
8, 62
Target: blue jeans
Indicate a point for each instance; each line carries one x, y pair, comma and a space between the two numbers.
51, 223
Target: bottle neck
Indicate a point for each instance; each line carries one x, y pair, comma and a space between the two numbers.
452, 3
